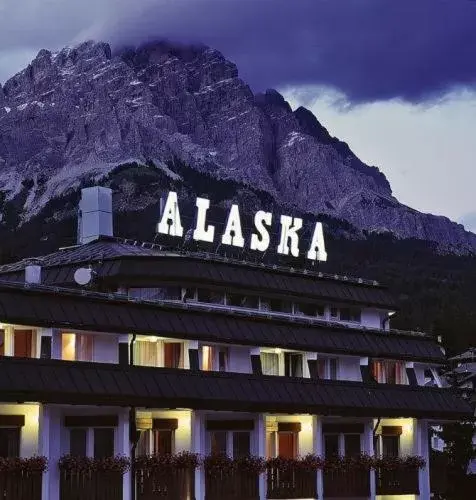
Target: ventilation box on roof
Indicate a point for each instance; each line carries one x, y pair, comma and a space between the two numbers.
95, 214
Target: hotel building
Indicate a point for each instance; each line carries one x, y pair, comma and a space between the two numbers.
162, 352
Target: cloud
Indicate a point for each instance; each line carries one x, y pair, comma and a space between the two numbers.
368, 49
427, 150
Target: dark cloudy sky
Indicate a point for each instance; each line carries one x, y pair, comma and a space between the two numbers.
396, 79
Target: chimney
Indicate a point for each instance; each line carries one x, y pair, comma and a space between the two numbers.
33, 273
95, 214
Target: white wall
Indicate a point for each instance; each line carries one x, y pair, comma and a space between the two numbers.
29, 432
372, 318
240, 359
106, 348
349, 368
407, 438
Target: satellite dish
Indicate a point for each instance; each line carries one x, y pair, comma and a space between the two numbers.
83, 276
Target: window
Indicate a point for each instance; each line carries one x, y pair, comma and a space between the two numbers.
77, 347
331, 445
308, 309
287, 444
163, 441
9, 442
292, 364
207, 358
103, 442
214, 358
173, 355
77, 442
237, 300
283, 306
270, 363
235, 444
146, 352
241, 444
389, 372
390, 446
350, 314
210, 296
328, 368
162, 293
351, 445
223, 356
24, 343
334, 312
218, 441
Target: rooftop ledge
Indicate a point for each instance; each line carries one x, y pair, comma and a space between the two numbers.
198, 306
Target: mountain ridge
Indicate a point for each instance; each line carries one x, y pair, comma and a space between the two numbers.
79, 113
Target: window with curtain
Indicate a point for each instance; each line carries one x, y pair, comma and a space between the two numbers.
270, 363
390, 446
352, 444
77, 347
328, 368
24, 343
288, 444
9, 442
146, 352
158, 293
292, 364
241, 444
2, 342
173, 354
389, 372
331, 445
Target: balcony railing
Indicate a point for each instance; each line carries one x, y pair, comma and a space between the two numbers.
346, 483
292, 482
397, 482
165, 484
231, 485
91, 485
20, 485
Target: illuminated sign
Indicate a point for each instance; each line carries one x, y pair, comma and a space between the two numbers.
171, 224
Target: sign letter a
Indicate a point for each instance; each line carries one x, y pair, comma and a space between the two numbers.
317, 250
170, 222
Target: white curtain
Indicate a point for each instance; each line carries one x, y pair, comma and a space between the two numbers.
270, 363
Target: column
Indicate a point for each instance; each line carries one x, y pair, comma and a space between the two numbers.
421, 448
123, 447
368, 448
260, 450
44, 345
198, 446
49, 445
318, 449
193, 355
256, 361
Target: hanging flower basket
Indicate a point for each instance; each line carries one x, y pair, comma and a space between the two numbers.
71, 463
218, 464
165, 462
361, 462
251, 464
33, 464
399, 463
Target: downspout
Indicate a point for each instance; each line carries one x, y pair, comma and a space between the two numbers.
132, 427
375, 431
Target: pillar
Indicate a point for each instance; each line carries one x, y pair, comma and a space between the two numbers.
421, 448
198, 446
123, 448
193, 355
260, 450
368, 448
49, 434
318, 449
45, 338
255, 354
123, 350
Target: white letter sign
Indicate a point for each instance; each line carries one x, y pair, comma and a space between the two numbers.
317, 250
233, 224
170, 223
201, 233
261, 241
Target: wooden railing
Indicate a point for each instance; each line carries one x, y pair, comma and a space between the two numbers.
291, 482
165, 484
397, 482
20, 485
231, 485
91, 485
346, 483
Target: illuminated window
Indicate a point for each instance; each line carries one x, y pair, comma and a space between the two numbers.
2, 342
146, 352
389, 372
214, 358
207, 358
173, 355
9, 442
292, 364
270, 363
77, 347
24, 343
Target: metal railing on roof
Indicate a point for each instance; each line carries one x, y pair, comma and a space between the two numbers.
201, 306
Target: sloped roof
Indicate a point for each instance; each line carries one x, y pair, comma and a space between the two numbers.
61, 308
123, 262
52, 381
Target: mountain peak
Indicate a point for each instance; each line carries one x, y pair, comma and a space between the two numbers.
86, 110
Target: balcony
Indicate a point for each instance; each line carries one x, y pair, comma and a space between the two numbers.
290, 480
397, 482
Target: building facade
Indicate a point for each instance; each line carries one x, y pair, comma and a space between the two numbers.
161, 354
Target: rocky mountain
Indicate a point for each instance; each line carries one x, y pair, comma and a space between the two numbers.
74, 116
